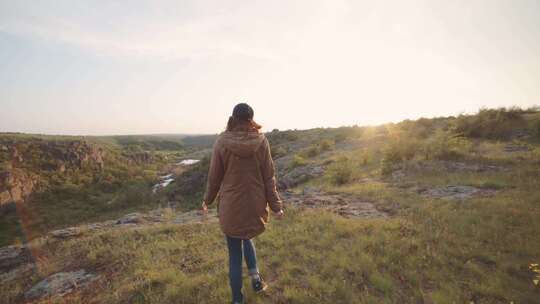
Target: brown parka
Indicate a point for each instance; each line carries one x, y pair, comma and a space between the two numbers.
242, 176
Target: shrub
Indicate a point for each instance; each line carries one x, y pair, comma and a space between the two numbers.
340, 137
297, 161
342, 133
444, 146
389, 160
291, 136
499, 123
536, 128
311, 151
364, 157
325, 145
278, 152
398, 151
340, 172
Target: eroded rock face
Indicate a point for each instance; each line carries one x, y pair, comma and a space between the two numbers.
140, 157
71, 154
60, 284
16, 185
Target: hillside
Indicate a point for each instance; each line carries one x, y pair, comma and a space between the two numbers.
57, 181
441, 210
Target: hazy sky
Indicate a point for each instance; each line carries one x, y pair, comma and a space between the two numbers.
124, 67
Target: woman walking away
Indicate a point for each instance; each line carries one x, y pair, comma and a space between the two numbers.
241, 175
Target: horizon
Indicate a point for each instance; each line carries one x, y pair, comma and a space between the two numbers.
143, 68
265, 130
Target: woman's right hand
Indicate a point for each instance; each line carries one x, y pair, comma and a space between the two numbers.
204, 208
279, 214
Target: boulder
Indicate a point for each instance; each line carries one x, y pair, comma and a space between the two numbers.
298, 175
60, 284
66, 233
132, 218
12, 257
17, 272
139, 218
100, 225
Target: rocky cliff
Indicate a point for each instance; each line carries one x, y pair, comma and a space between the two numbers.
16, 185
25, 162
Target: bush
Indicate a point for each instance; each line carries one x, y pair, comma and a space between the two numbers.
421, 128
389, 160
364, 157
398, 151
340, 172
342, 133
311, 151
536, 128
340, 137
444, 146
326, 145
297, 161
499, 123
278, 152
291, 136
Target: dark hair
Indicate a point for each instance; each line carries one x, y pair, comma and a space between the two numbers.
242, 116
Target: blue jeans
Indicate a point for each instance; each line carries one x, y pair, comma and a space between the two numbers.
235, 264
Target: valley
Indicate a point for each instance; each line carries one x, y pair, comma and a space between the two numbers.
440, 210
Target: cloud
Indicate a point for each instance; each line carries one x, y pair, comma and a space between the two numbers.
256, 30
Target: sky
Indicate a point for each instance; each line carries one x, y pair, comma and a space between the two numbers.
141, 67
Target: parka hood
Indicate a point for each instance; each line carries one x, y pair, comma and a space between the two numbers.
242, 143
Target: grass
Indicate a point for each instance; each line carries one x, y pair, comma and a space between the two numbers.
435, 250
62, 207
478, 250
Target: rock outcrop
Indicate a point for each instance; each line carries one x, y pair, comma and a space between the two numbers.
15, 261
346, 205
189, 183
16, 185
73, 154
140, 157
25, 160
454, 192
60, 284
290, 178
